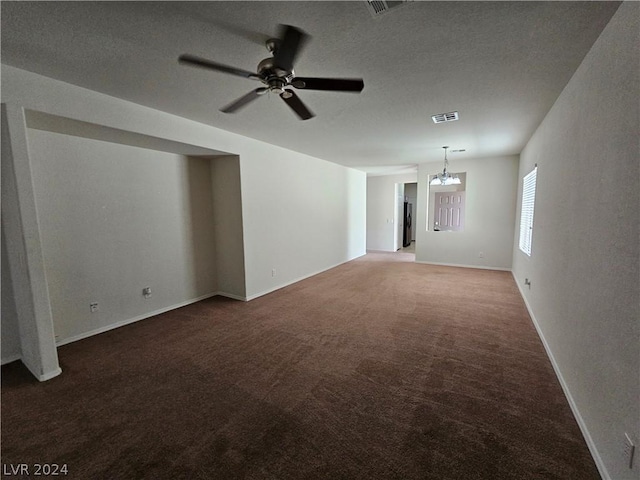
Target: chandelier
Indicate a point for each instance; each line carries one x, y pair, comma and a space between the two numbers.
445, 178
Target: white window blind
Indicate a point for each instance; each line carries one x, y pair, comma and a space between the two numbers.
526, 216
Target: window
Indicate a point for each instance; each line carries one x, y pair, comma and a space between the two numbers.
526, 216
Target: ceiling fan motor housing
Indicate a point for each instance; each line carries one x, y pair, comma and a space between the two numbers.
275, 77
276, 74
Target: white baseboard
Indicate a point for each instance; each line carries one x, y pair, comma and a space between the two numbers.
231, 295
567, 393
49, 375
481, 267
11, 358
122, 323
75, 338
42, 377
296, 280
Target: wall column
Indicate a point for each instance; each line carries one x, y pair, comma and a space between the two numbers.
26, 262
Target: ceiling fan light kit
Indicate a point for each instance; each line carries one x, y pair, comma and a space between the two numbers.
276, 73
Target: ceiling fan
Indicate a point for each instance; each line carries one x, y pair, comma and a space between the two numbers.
276, 73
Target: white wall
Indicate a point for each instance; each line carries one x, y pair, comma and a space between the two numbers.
115, 219
300, 214
381, 198
300, 218
9, 333
227, 215
491, 185
584, 266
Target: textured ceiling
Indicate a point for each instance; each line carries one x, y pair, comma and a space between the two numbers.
501, 65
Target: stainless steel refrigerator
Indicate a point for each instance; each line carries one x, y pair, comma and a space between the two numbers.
408, 224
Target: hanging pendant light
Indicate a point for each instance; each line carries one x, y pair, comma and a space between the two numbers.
445, 178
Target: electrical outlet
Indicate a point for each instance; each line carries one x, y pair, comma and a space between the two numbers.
273, 272
146, 292
629, 450
93, 307
481, 255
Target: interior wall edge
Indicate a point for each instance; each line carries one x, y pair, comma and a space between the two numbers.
584, 271
21, 232
129, 321
40, 120
47, 376
460, 265
565, 388
10, 359
232, 296
296, 280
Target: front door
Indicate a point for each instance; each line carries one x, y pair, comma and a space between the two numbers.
449, 211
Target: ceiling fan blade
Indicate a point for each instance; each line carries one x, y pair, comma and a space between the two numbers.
194, 61
292, 40
242, 101
334, 84
296, 105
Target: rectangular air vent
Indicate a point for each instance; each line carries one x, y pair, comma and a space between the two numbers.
380, 7
445, 117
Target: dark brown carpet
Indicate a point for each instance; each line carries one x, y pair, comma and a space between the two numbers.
378, 369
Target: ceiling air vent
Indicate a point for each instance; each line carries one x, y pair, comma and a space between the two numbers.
445, 117
380, 7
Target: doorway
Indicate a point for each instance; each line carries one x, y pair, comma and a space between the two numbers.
410, 207
405, 210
